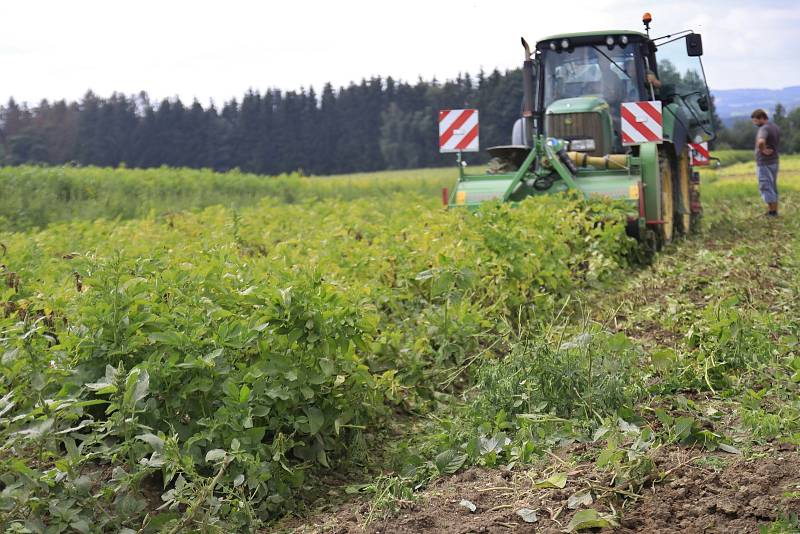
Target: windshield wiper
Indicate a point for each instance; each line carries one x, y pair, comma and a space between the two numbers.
613, 62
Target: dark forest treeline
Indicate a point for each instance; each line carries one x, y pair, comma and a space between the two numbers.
377, 124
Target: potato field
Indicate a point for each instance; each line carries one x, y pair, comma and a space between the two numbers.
187, 351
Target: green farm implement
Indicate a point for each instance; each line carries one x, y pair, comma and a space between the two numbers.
611, 113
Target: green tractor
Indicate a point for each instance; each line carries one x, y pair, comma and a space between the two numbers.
575, 133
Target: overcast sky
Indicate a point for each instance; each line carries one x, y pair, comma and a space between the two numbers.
217, 50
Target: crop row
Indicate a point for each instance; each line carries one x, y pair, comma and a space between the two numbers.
226, 355
33, 197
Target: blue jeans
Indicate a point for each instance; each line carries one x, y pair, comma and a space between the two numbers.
768, 182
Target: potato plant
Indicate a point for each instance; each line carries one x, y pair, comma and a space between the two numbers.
197, 370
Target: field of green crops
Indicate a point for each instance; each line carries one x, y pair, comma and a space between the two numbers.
238, 352
184, 351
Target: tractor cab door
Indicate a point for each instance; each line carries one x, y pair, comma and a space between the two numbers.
683, 82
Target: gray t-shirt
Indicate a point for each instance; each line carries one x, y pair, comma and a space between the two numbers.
772, 135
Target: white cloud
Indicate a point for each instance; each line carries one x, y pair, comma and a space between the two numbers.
205, 49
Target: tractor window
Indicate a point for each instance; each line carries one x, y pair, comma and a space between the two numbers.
683, 81
587, 71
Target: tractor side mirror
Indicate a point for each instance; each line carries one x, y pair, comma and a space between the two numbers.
694, 45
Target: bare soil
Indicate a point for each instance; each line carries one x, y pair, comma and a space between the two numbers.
700, 492
738, 498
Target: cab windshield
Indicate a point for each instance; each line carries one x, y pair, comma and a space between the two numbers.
586, 71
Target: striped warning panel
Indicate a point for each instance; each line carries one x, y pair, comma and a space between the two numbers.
458, 130
642, 122
700, 154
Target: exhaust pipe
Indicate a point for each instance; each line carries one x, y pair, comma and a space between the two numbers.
527, 82
527, 92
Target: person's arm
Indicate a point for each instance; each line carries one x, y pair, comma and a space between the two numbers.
761, 143
652, 79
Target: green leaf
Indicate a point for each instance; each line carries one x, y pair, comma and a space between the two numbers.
18, 466
137, 385
627, 427
9, 357
449, 461
600, 432
107, 384
663, 359
244, 393
142, 386
161, 519
322, 458
356, 488
81, 525
152, 440
494, 444
294, 335
173, 339
558, 480
315, 420
683, 427
214, 455
326, 366
590, 518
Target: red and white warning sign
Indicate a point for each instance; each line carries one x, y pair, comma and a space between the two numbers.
458, 130
700, 154
642, 122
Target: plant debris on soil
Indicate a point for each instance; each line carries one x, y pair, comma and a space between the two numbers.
694, 497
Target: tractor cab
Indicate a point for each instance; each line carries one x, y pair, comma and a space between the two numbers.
575, 74
590, 74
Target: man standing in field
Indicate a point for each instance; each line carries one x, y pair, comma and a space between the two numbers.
767, 140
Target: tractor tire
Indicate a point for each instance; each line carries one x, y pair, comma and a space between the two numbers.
686, 223
667, 167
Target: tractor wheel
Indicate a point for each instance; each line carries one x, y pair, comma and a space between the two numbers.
667, 196
683, 198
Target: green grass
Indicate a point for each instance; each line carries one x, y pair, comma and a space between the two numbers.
730, 157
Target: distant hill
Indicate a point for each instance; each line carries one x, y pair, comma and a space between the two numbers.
735, 104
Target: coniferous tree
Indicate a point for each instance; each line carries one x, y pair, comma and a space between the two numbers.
375, 124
